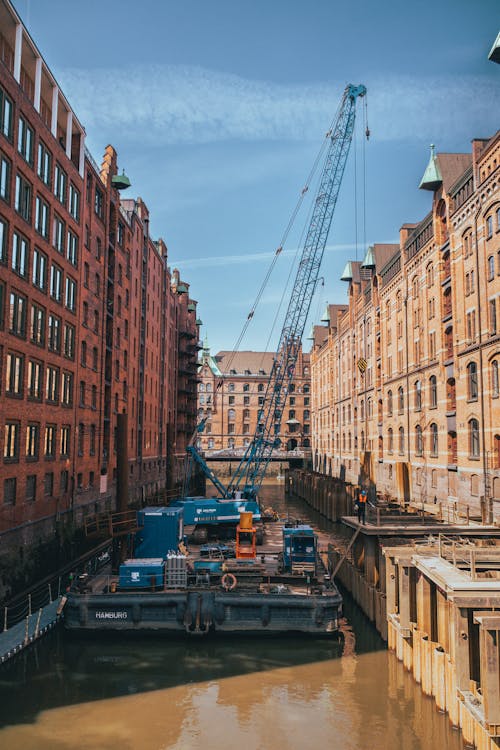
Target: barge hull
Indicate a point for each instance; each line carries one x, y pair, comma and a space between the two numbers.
199, 612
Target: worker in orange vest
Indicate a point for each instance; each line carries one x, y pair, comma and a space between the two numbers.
362, 498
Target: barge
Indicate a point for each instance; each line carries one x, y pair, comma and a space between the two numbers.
213, 588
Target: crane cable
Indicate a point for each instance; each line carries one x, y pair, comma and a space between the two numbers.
279, 249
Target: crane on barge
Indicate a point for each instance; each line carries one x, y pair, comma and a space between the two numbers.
250, 472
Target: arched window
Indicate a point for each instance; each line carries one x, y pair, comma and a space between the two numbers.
472, 389
399, 300
418, 395
473, 438
494, 379
401, 399
362, 410
419, 441
415, 286
390, 442
260, 387
306, 389
230, 388
434, 439
201, 387
246, 387
433, 399
429, 274
491, 268
389, 403
209, 387
401, 440
231, 414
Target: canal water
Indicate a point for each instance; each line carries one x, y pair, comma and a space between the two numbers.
157, 693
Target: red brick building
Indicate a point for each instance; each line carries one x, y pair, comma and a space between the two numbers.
92, 321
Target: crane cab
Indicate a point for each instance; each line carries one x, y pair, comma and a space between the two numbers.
299, 550
246, 538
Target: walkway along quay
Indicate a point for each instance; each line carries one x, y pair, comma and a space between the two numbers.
431, 586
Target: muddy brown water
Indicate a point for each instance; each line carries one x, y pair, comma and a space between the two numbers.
157, 693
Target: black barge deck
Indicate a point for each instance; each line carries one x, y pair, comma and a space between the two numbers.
264, 601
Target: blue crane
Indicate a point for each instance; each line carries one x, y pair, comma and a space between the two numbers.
252, 468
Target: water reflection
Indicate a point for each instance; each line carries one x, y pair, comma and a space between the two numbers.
255, 694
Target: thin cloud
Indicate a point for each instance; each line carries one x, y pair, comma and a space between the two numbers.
212, 261
168, 104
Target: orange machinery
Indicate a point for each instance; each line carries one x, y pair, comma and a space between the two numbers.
246, 537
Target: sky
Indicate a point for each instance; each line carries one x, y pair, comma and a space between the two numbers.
217, 109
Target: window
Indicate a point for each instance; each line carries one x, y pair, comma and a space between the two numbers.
20, 253
42, 217
54, 337
70, 295
92, 440
60, 180
48, 484
74, 202
401, 440
419, 442
25, 140
98, 250
67, 389
81, 438
489, 227
56, 283
83, 354
432, 345
14, 374
39, 270
230, 387
65, 440
32, 440
3, 241
34, 380
97, 284
246, 400
473, 438
471, 326
9, 491
418, 395
433, 392
491, 268
82, 393
52, 384
434, 439
95, 357
96, 321
432, 308
495, 385
37, 325
50, 441
492, 306
390, 446
401, 400
72, 248
44, 170
429, 275
246, 387
31, 488
58, 228
69, 341
11, 441
22, 198
231, 414
6, 110
5, 172
17, 315
98, 203
94, 397
472, 382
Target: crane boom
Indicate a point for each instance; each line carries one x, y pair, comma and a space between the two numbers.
252, 467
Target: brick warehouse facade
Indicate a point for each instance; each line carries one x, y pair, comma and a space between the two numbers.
93, 322
405, 382
231, 393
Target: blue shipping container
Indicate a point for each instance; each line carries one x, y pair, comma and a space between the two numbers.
142, 574
161, 530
